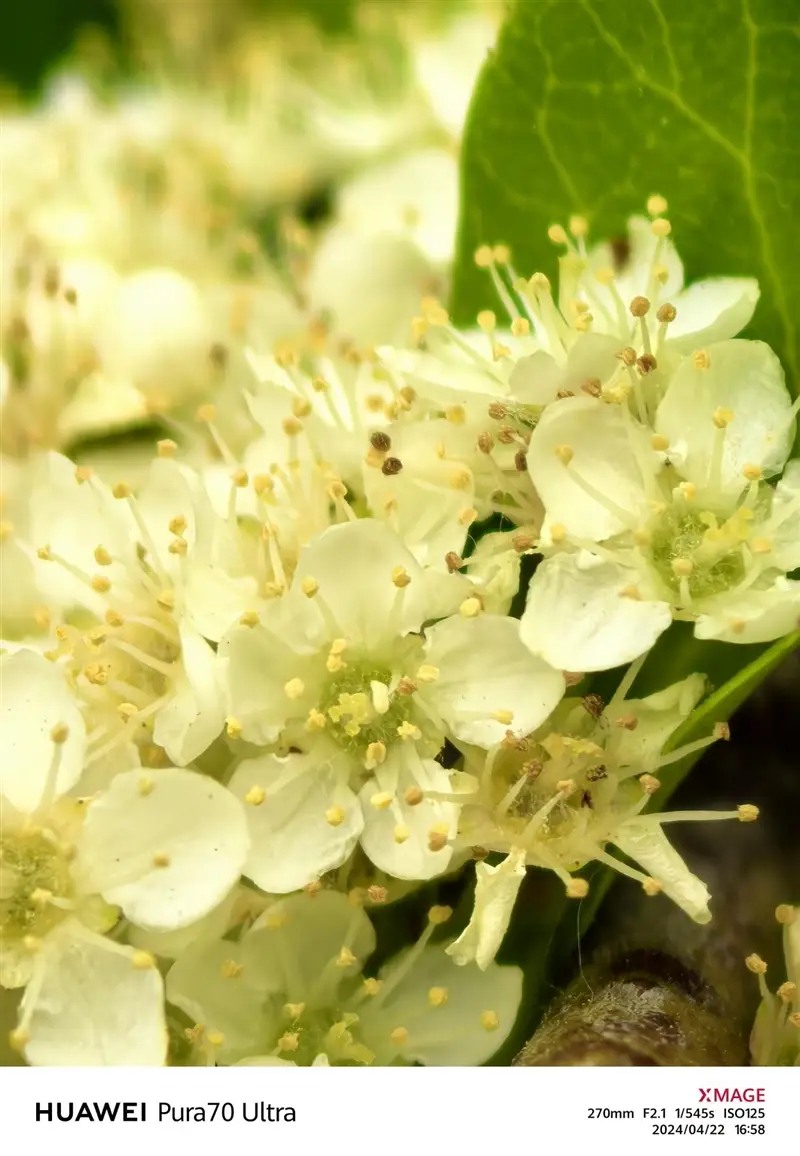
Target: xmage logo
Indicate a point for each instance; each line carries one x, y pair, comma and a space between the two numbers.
732, 1095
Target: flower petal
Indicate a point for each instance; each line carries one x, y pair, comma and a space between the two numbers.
166, 847
486, 670
454, 1016
608, 454
90, 1006
712, 310
754, 616
293, 838
190, 721
496, 891
644, 841
577, 618
35, 698
746, 378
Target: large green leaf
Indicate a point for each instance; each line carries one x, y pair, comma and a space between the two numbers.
589, 106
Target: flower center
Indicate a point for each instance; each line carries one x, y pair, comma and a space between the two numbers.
691, 553
34, 876
360, 707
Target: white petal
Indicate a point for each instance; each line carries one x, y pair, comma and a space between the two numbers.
353, 565
255, 667
657, 716
754, 616
292, 841
494, 566
485, 668
214, 600
91, 1007
576, 617
602, 444
786, 519
746, 378
292, 945
712, 310
411, 858
452, 1034
645, 842
35, 698
168, 855
235, 1006
190, 721
496, 891
170, 944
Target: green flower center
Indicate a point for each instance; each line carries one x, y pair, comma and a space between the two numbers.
32, 874
686, 547
356, 715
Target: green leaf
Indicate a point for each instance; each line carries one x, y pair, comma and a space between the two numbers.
589, 107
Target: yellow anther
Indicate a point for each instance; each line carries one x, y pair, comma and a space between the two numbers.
32, 944
401, 833
722, 731
661, 227
121, 490
471, 607
520, 327
18, 1039
487, 320
761, 545
293, 1011
145, 786
316, 720
701, 359
249, 618
437, 996
161, 859
557, 235
659, 443
335, 816
255, 796
309, 586
787, 991
377, 894
295, 688
656, 205
747, 812
565, 454
102, 556
756, 964
83, 474
649, 784
372, 986
439, 914
381, 800
408, 732
400, 577
566, 787
490, 1021
413, 796
114, 618
166, 448
376, 754
785, 913
179, 547
427, 673
399, 1036
143, 960
483, 256
722, 417
233, 727
230, 969
753, 473
682, 567
166, 600
345, 958
60, 733
40, 896
578, 226
101, 584
577, 889
652, 887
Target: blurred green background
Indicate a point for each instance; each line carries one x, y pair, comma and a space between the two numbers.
36, 34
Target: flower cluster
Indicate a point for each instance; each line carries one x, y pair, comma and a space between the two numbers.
278, 663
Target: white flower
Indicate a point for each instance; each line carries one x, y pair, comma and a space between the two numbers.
775, 1038
677, 523
140, 664
292, 988
342, 674
163, 848
557, 798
